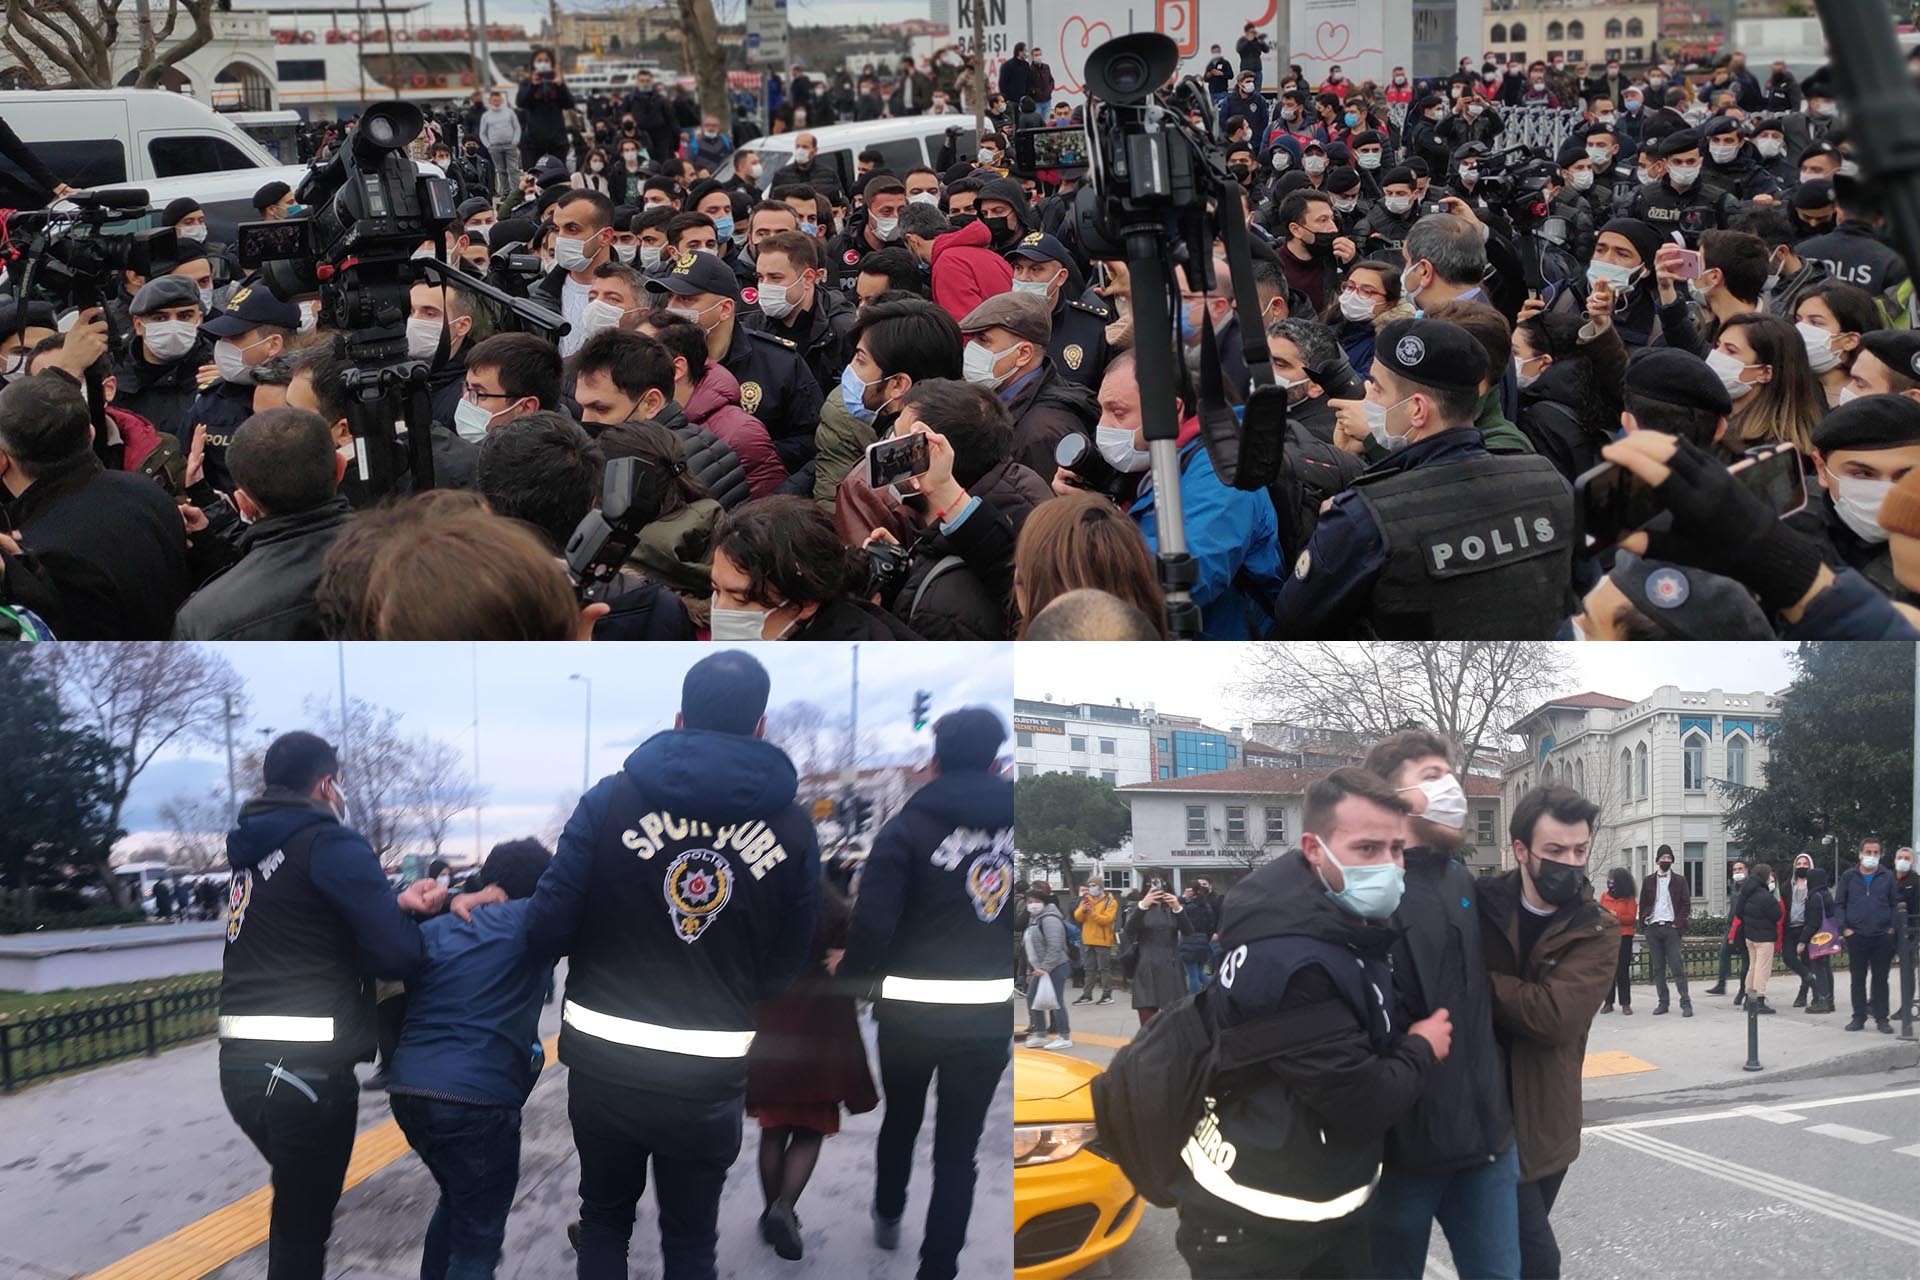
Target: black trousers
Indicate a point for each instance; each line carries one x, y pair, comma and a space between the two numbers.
1539, 1251
303, 1122
969, 1075
1790, 952
1216, 1249
617, 1130
1623, 974
1870, 957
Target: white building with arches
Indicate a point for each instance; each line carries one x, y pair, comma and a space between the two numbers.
1657, 768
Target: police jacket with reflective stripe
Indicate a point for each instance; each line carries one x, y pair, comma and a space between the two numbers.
1305, 1130
684, 891
936, 904
1481, 547
311, 920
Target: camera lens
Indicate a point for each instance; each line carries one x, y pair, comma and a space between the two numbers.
1127, 74
380, 131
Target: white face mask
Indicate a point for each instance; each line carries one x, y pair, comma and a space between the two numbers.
1377, 425
1580, 179
1820, 352
197, 232
1469, 176
886, 228
1738, 876
1345, 204
1117, 447
1768, 147
1729, 370
206, 298
776, 300
600, 314
978, 365
471, 421
1857, 502
626, 252
924, 197
1369, 159
569, 254
231, 360
170, 339
1619, 277
1355, 306
649, 256
1683, 176
1036, 287
1870, 862
1397, 205
1599, 156
1723, 154
423, 337
736, 625
1903, 864
595, 166
1522, 379
802, 154
1314, 164
1446, 801
1407, 289
688, 314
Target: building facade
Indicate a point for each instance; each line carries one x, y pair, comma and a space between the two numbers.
1533, 30
1091, 741
1659, 769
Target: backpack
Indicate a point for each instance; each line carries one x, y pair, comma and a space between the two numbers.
1151, 1096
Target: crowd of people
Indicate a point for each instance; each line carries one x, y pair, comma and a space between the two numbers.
1475, 289
715, 965
189, 898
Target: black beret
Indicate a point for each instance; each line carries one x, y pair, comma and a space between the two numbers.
1815, 193
1819, 149
1290, 182
1367, 138
37, 315
1721, 124
1340, 153
1571, 152
1341, 180
178, 208
1898, 349
1400, 173
1687, 603
1432, 353
1681, 140
1417, 165
1426, 103
472, 205
1639, 234
268, 196
1870, 422
1679, 378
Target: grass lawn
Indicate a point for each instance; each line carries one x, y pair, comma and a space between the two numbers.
21, 1004
91, 1026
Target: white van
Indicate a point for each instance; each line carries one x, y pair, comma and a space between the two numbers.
139, 879
166, 143
904, 142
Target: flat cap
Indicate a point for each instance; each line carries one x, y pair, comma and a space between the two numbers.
1678, 378
1688, 603
693, 273
1433, 353
1869, 422
1898, 349
162, 292
1025, 315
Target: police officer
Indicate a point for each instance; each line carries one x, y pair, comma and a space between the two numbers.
1854, 251
1733, 164
1386, 225
683, 891
1439, 537
877, 225
310, 917
933, 927
156, 376
255, 327
1677, 201
1078, 347
775, 384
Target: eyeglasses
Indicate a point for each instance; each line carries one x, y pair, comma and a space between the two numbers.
476, 393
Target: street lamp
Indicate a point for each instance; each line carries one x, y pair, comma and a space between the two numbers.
586, 745
231, 715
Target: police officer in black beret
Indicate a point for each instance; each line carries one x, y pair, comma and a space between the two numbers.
1439, 538
1042, 265
1675, 393
1888, 363
775, 384
1678, 200
1854, 250
1859, 450
1733, 165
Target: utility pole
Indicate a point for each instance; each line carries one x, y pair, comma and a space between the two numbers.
1914, 829
340, 647
228, 725
1282, 38
479, 801
981, 89
484, 77
586, 745
853, 718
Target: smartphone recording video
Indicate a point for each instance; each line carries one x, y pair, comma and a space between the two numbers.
895, 459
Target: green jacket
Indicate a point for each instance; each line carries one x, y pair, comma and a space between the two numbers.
1500, 435
841, 441
677, 551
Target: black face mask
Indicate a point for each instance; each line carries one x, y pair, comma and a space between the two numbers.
1001, 229
1556, 882
962, 220
1665, 867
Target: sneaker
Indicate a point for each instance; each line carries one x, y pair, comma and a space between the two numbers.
1661, 1008
1086, 999
1063, 1043
1035, 1041
1858, 1024
781, 1227
1686, 1008
1884, 1027
1106, 999
886, 1232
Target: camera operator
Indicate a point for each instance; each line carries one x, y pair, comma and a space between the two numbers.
1006, 352
438, 327
285, 472
157, 375
781, 572
105, 551
1078, 348
255, 327
23, 325
1251, 47
974, 500
319, 384
629, 377
543, 101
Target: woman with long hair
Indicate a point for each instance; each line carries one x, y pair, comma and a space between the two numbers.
1763, 362
1082, 540
1621, 899
592, 173
1832, 317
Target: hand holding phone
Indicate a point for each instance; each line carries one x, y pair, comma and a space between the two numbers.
1613, 501
896, 458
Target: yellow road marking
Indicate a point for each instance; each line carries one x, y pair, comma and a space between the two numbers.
1613, 1063
231, 1230
1111, 1042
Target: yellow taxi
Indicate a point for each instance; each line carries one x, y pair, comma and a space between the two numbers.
1071, 1205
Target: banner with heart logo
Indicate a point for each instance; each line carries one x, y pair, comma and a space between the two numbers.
1348, 34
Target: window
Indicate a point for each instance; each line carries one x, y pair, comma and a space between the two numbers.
1693, 761
901, 154
1643, 787
1576, 30
1276, 825
1163, 773
1613, 31
1163, 745
1556, 31
1118, 879
1483, 826
1694, 854
1626, 775
1517, 33
1497, 34
1109, 777
1546, 774
1023, 738
1076, 744
1196, 824
1613, 53
1635, 29
83, 163
1026, 771
1576, 55
1236, 824
1737, 760
1107, 747
1079, 773
301, 69
1232, 752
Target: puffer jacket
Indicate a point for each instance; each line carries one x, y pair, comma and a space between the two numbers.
972, 600
1046, 937
715, 406
840, 442
1759, 913
1543, 1007
709, 460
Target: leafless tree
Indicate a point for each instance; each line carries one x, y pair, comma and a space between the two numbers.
439, 788
71, 43
143, 698
706, 60
199, 827
1467, 690
376, 762
813, 740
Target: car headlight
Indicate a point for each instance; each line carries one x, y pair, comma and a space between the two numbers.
1047, 1143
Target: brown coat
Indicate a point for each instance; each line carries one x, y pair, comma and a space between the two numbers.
1543, 1007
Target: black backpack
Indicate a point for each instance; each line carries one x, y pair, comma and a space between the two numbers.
1149, 1099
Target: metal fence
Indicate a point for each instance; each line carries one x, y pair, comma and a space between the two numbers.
1701, 959
65, 1038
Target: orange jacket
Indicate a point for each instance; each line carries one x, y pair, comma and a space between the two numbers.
1625, 910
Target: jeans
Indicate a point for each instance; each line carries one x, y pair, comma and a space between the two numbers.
1098, 964
1663, 950
1219, 1249
1039, 1017
506, 168
1539, 1251
969, 1071
473, 1152
692, 1144
1477, 1208
1870, 957
302, 1121
1623, 973
1196, 974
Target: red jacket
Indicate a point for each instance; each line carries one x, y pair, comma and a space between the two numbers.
1625, 910
966, 270
140, 436
715, 405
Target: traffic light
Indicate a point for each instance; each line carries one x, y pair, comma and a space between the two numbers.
859, 813
922, 708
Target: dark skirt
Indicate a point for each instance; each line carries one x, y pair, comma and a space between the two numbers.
808, 1060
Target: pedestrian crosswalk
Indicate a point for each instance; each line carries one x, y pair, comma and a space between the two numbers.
1847, 1133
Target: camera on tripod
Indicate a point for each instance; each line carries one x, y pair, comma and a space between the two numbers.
70, 255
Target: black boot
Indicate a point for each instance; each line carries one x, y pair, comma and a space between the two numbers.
1800, 1001
1740, 998
1607, 1007
1760, 1005
1661, 1007
1717, 989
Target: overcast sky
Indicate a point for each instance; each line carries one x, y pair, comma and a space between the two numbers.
532, 718
800, 13
1209, 684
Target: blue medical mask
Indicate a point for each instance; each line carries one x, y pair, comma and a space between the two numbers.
723, 226
853, 392
1190, 328
1352, 118
1372, 892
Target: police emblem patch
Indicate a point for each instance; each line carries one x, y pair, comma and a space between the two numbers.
1303, 566
750, 396
988, 880
750, 296
683, 263
239, 296
1410, 350
697, 887
1668, 588
1032, 237
239, 894
1073, 355
850, 257
1913, 364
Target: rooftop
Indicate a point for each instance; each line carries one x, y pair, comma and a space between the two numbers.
1276, 782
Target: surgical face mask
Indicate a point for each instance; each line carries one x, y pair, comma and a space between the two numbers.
1619, 277
206, 298
1469, 175
1116, 446
1903, 864
649, 256
630, 157
737, 624
1372, 892
195, 232
808, 227
1869, 862
1632, 105
924, 197
1345, 204
1407, 289
1768, 147
169, 339
1729, 370
1315, 165
1857, 502
1820, 352
1557, 883
1683, 175
600, 314
723, 226
1355, 306
423, 337
1369, 159
596, 166
1397, 205
1644, 176
1279, 160
1723, 154
978, 364
853, 394
13, 365
471, 421
1738, 876
1522, 379
989, 158
1821, 109
1849, 168
569, 253
543, 65
1036, 287
690, 315
231, 360
626, 252
1580, 179
1377, 424
886, 228
1446, 801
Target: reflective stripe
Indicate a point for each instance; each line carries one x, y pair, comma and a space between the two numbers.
947, 990
647, 1035
269, 1026
1217, 1182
